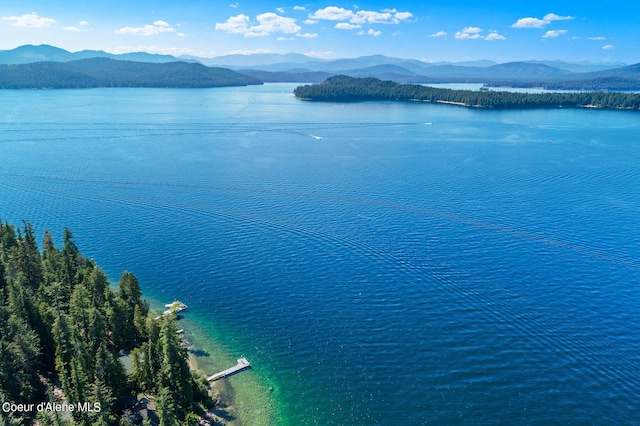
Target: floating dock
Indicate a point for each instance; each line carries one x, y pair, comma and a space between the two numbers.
175, 307
243, 363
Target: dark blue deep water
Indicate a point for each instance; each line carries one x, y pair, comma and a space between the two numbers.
381, 263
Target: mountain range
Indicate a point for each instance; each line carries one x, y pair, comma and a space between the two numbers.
106, 72
269, 67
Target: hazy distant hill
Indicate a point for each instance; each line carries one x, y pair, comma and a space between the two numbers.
618, 79
293, 76
409, 72
293, 67
581, 67
630, 71
255, 60
28, 54
104, 72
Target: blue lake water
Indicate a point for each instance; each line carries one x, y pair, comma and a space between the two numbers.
379, 263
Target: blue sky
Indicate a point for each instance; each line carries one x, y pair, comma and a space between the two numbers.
440, 30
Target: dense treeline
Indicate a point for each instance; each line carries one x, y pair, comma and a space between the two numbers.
62, 324
103, 72
343, 88
593, 84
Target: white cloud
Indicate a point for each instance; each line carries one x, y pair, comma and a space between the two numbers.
554, 33
321, 55
75, 29
30, 20
234, 5
78, 29
530, 23
387, 16
161, 50
468, 33
346, 26
370, 17
299, 8
248, 52
235, 24
539, 23
331, 13
494, 36
156, 28
439, 34
403, 16
553, 17
271, 23
597, 38
374, 33
181, 34
308, 35
608, 47
311, 22
267, 23
280, 10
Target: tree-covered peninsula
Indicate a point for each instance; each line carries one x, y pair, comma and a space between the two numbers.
348, 89
63, 328
103, 72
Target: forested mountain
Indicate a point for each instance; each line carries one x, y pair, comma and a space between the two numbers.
62, 326
271, 67
346, 89
103, 72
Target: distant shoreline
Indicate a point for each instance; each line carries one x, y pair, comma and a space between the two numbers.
351, 89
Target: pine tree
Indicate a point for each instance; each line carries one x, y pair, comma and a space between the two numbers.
64, 352
131, 298
26, 259
166, 408
102, 394
175, 371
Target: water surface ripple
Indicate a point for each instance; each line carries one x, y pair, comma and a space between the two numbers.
481, 269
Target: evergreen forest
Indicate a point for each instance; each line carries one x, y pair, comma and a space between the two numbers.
349, 89
103, 72
63, 329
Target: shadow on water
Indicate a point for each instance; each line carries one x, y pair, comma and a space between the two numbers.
199, 352
224, 415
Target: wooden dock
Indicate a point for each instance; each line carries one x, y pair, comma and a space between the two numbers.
175, 307
242, 364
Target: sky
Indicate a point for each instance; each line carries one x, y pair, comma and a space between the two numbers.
438, 30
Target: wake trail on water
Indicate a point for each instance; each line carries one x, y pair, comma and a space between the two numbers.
513, 310
141, 132
510, 230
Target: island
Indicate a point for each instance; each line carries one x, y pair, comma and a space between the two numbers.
343, 88
63, 332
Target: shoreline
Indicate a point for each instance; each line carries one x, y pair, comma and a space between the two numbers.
245, 398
